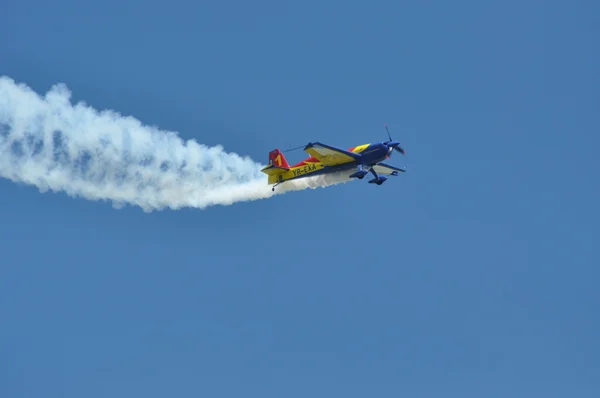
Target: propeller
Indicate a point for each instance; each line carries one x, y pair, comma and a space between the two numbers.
393, 144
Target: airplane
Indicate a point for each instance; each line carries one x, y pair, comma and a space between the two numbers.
325, 159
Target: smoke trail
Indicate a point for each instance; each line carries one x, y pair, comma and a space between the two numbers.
101, 155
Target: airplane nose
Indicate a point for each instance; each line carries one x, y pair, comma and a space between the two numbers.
395, 145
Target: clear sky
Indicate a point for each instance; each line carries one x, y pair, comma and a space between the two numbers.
475, 274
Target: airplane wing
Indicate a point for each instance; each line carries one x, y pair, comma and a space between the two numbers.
329, 155
382, 168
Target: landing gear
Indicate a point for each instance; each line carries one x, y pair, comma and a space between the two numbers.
273, 189
360, 174
378, 179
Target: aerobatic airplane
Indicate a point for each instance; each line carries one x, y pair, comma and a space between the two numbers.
325, 159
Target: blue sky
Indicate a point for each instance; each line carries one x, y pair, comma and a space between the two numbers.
473, 274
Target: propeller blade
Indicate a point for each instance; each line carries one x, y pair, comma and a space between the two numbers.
393, 144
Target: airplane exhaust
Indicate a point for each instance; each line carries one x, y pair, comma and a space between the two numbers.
54, 145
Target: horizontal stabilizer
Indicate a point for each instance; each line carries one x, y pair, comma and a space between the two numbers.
273, 170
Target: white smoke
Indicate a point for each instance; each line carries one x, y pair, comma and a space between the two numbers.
101, 155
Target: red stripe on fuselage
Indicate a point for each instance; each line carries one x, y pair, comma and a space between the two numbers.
311, 159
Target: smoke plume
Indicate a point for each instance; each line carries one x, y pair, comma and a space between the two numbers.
48, 142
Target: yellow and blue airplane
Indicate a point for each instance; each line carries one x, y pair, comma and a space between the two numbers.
325, 159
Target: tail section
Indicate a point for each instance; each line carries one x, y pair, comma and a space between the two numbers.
276, 158
277, 166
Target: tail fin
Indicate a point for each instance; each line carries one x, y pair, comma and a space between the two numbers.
276, 158
277, 166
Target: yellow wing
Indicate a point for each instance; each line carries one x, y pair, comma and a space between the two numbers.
329, 155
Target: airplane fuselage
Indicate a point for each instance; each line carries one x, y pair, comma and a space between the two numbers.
370, 154
325, 159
